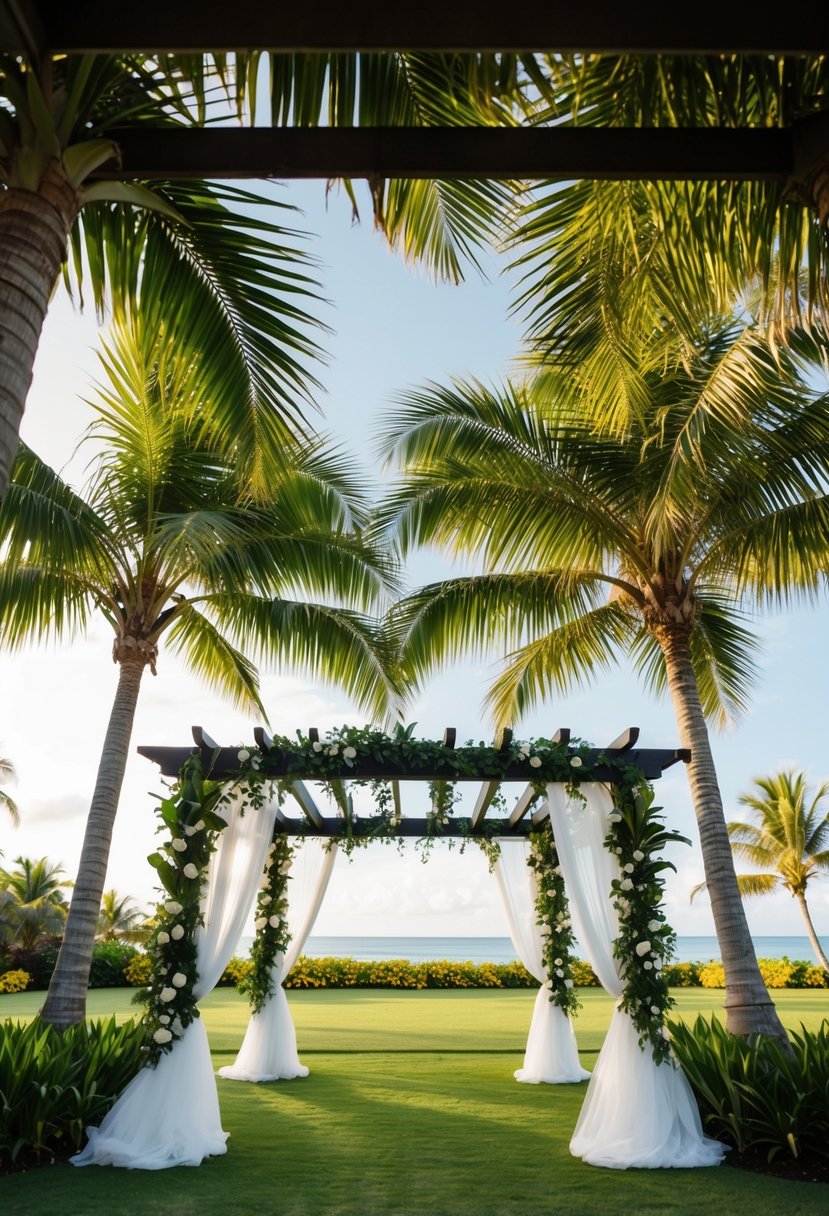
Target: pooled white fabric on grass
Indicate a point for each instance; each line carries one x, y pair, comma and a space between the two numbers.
636, 1113
268, 1051
169, 1115
551, 1055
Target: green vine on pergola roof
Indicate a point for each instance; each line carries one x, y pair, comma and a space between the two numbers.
192, 815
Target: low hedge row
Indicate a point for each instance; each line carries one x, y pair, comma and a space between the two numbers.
116, 965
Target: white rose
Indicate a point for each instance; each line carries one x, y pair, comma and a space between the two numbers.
545, 930
167, 994
190, 871
648, 965
189, 831
654, 925
643, 948
317, 746
575, 761
393, 822
638, 855
349, 752
255, 762
655, 1010
614, 817
162, 1036
179, 979
445, 819
286, 865
200, 826
173, 907
559, 963
535, 762
568, 983
179, 845
264, 882
522, 755
551, 894
260, 922
162, 938
626, 884
559, 973
628, 869
164, 1019
244, 755
274, 922
334, 749
177, 933
560, 915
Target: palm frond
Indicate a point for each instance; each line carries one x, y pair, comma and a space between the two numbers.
211, 656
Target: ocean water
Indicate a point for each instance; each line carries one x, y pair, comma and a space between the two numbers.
501, 949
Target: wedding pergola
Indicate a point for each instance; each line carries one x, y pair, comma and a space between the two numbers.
587, 863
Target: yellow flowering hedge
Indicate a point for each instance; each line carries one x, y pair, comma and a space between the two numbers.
15, 981
776, 973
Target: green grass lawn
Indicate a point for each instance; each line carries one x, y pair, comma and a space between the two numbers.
410, 1108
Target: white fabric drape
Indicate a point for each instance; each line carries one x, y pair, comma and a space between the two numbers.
169, 1115
551, 1054
268, 1051
635, 1112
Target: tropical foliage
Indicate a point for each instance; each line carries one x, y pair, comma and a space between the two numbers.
639, 513
32, 901
168, 541
788, 842
119, 917
7, 803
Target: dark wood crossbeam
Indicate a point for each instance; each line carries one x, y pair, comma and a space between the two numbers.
647, 26
523, 153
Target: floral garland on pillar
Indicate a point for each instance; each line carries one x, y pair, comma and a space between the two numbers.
272, 935
191, 817
646, 941
553, 915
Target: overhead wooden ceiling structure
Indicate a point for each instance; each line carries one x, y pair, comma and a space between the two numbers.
601, 764
35, 28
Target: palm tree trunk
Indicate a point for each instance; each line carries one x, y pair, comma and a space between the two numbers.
749, 1008
66, 999
823, 961
33, 231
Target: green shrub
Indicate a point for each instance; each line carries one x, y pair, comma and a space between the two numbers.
683, 975
54, 1085
39, 960
754, 1095
109, 961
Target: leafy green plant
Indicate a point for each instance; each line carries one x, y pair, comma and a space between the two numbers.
52, 1085
109, 959
756, 1096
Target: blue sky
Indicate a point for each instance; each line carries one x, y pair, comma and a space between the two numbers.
393, 328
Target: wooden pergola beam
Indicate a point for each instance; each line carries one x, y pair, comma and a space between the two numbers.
515, 153
310, 809
645, 27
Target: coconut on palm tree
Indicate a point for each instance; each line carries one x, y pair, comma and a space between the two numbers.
7, 803
166, 544
32, 902
788, 842
649, 542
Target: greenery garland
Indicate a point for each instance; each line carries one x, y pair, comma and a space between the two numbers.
646, 941
191, 817
553, 915
272, 935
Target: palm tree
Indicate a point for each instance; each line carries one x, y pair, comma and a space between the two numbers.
648, 542
166, 542
789, 839
7, 803
119, 917
676, 249
239, 283
32, 904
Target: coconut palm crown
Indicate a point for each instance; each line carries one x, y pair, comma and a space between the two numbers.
32, 901
166, 543
648, 541
788, 842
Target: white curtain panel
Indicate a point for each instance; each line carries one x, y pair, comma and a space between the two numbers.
551, 1055
268, 1051
169, 1115
636, 1113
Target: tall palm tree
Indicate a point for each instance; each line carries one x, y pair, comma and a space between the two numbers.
7, 803
789, 840
648, 542
166, 542
32, 903
237, 279
120, 917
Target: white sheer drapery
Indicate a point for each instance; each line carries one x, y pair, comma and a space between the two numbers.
551, 1054
169, 1115
635, 1112
268, 1051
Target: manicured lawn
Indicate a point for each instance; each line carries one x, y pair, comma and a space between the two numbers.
410, 1109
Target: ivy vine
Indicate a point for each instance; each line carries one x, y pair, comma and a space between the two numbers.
553, 917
